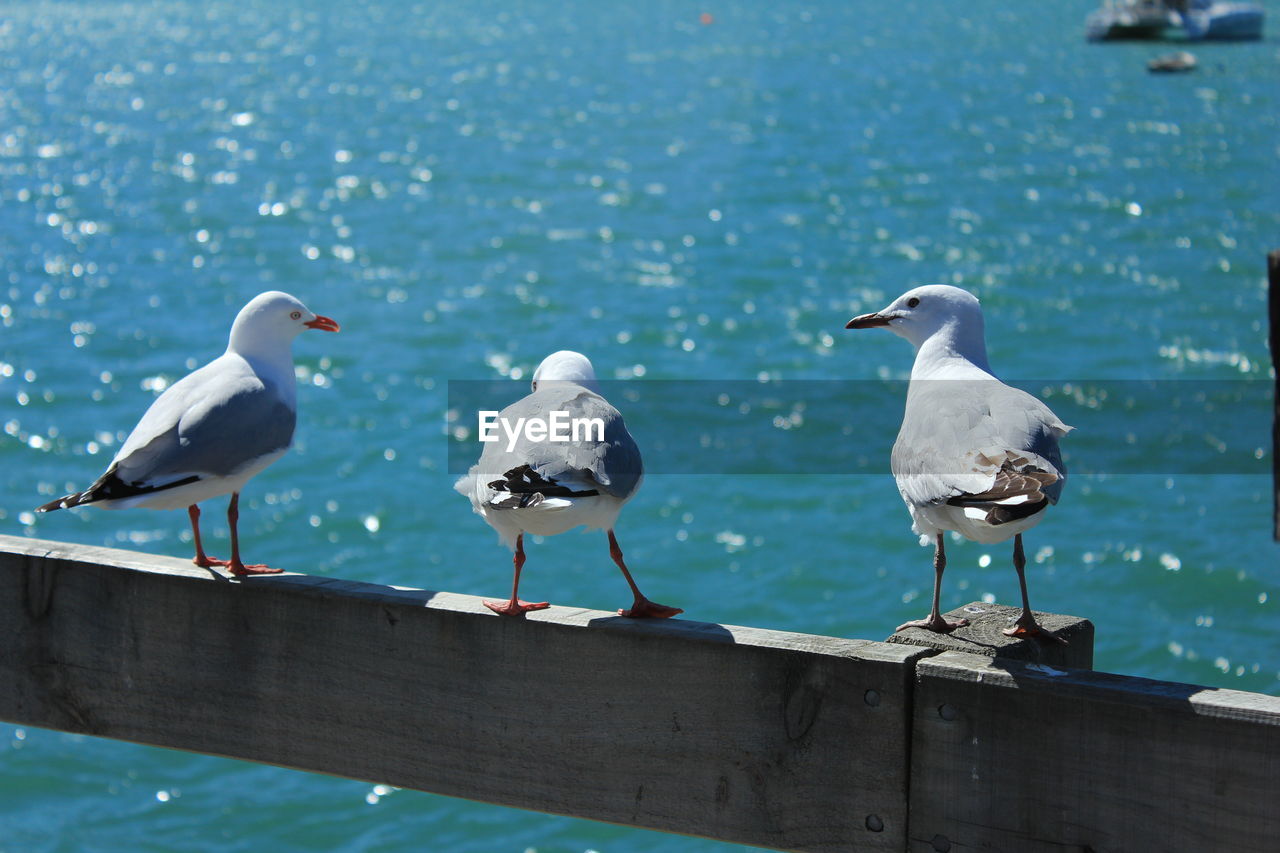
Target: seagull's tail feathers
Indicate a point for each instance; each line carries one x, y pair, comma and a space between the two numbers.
536, 500
109, 487
65, 502
1018, 492
1003, 512
524, 488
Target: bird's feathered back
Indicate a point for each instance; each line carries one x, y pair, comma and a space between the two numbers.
955, 442
613, 466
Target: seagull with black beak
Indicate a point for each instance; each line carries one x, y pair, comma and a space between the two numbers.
973, 455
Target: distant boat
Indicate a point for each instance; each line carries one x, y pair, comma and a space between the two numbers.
1207, 19
1129, 19
1200, 20
1172, 62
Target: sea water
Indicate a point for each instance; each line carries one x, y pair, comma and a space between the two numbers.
698, 196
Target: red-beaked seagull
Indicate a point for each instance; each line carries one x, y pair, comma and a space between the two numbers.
210, 432
547, 487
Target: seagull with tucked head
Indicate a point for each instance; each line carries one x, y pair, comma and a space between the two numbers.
547, 487
210, 432
973, 455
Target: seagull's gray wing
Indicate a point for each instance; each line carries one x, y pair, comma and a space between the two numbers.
1027, 421
976, 442
613, 463
212, 423
612, 466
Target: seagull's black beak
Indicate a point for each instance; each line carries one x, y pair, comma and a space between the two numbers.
323, 323
867, 321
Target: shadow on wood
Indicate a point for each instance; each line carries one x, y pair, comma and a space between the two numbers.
984, 635
761, 737
788, 741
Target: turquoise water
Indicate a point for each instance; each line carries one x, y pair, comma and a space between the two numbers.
467, 187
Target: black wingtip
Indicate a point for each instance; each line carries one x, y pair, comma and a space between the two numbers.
110, 487
523, 480
1005, 514
61, 503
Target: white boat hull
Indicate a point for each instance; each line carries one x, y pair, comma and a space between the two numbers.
1224, 22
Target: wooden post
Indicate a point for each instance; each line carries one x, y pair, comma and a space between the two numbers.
1014, 756
1273, 306
984, 636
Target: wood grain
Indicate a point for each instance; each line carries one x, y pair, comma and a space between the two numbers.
1010, 756
787, 741
774, 739
984, 636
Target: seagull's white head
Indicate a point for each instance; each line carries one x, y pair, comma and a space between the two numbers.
566, 366
273, 318
924, 312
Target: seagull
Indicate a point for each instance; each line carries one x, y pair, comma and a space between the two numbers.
210, 432
546, 487
973, 455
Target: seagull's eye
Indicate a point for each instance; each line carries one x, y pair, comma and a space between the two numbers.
296, 315
913, 302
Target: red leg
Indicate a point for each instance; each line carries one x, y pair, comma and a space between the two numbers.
935, 621
641, 608
201, 559
1026, 625
236, 567
516, 607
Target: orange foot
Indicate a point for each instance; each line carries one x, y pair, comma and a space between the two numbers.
204, 561
940, 625
515, 607
1033, 629
643, 608
241, 569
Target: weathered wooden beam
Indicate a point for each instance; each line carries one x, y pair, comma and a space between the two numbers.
1014, 756
782, 740
1273, 310
774, 739
984, 635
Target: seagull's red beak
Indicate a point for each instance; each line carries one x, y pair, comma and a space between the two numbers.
867, 321
323, 323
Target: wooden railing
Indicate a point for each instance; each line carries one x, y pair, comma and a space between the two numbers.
780, 740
